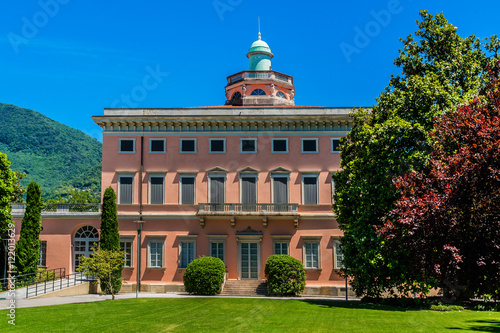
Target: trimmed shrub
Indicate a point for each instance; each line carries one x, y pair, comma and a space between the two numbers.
204, 276
285, 275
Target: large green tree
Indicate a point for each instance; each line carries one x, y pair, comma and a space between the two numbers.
28, 245
7, 180
439, 70
110, 237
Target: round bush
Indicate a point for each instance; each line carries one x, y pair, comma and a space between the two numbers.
285, 275
204, 276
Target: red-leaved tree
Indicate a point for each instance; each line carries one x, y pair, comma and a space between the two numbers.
445, 228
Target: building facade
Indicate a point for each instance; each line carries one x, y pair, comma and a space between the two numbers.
241, 182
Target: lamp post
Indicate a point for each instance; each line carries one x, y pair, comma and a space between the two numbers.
138, 268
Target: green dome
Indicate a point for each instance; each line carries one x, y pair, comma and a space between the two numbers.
259, 46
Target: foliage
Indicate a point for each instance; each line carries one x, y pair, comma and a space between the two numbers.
446, 225
204, 276
43, 275
110, 237
104, 265
50, 153
439, 69
285, 275
19, 190
7, 181
76, 196
446, 308
28, 245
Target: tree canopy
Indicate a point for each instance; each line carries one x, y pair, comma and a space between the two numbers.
446, 225
439, 70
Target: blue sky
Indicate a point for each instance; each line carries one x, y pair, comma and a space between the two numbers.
69, 59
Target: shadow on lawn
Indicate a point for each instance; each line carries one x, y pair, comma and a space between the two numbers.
480, 326
357, 305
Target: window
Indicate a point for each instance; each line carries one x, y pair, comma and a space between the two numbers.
279, 145
248, 145
126, 246
155, 258
217, 188
125, 189
217, 249
217, 145
157, 145
187, 252
236, 95
335, 145
127, 145
309, 145
310, 190
281, 247
339, 256
248, 189
42, 260
258, 92
311, 254
187, 190
188, 145
156, 190
280, 94
280, 189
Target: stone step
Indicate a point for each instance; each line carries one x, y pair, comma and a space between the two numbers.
244, 288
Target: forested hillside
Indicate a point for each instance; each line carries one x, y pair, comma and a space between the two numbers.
58, 157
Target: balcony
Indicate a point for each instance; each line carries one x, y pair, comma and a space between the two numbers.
260, 75
18, 209
225, 209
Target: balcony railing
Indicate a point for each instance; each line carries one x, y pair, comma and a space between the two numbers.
259, 75
247, 209
58, 208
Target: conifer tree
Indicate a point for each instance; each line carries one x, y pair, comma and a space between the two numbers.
7, 179
110, 238
28, 245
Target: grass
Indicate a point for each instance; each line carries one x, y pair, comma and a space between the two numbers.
242, 315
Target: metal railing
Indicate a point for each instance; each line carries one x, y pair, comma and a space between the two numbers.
54, 284
24, 280
60, 208
260, 75
236, 208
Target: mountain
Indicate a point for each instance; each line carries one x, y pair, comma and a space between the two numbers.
54, 155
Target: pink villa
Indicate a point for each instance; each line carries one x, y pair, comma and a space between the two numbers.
240, 182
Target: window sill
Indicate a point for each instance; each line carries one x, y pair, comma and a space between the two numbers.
313, 269
155, 268
128, 267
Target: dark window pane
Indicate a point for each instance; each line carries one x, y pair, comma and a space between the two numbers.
309, 145
335, 145
248, 145
279, 145
310, 190
158, 145
188, 145
217, 145
157, 190
126, 190
187, 190
126, 145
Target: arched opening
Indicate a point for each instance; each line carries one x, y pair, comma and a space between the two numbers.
258, 92
236, 95
84, 240
281, 94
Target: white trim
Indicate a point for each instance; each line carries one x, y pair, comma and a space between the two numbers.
250, 239
187, 175
217, 239
331, 145
317, 242
281, 240
128, 239
336, 242
279, 152
156, 239
248, 152
191, 239
280, 175
310, 175
157, 175
210, 145
125, 175
216, 174
120, 145
188, 139
164, 146
309, 139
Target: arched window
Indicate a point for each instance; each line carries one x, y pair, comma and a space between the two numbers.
258, 92
85, 237
281, 94
236, 95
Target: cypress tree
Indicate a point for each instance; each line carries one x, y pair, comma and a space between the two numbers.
7, 179
28, 245
110, 238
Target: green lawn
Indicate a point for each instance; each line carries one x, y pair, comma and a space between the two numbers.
242, 315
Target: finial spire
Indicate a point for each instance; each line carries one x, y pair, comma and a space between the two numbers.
260, 36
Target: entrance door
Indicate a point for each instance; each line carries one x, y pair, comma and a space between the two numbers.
249, 260
85, 238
